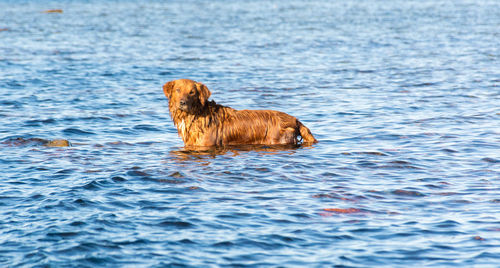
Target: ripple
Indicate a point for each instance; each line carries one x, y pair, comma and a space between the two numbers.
343, 210
372, 153
491, 160
40, 122
186, 242
409, 193
84, 202
223, 244
137, 173
173, 223
118, 179
77, 224
146, 127
77, 132
447, 224
133, 242
93, 185
63, 235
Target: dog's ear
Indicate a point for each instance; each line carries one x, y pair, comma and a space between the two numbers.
204, 93
168, 88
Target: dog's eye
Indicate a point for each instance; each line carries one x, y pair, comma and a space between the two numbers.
192, 92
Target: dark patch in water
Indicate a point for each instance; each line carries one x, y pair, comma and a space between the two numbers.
77, 132
175, 224
401, 192
137, 173
146, 127
491, 160
38, 122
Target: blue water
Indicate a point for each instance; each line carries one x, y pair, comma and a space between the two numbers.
404, 97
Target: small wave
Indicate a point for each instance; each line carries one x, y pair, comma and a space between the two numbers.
78, 132
175, 224
283, 238
447, 224
371, 153
266, 245
85, 118
223, 244
118, 179
137, 173
94, 185
424, 84
133, 241
186, 241
344, 210
146, 127
83, 202
39, 122
401, 192
491, 160
64, 235
399, 164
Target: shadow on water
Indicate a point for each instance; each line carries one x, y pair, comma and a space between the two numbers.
192, 153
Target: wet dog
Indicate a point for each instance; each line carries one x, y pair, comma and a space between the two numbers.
201, 122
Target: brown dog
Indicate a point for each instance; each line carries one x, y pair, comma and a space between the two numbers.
203, 123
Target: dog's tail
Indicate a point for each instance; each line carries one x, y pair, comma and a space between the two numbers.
306, 134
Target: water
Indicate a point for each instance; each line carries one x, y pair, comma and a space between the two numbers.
403, 96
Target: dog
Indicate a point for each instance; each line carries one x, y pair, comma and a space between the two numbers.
203, 123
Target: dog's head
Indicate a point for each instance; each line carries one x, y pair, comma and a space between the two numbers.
186, 95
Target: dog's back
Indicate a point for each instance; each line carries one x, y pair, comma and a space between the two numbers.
264, 127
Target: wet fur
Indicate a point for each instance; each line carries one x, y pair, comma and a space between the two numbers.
201, 122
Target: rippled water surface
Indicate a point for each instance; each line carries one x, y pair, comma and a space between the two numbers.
403, 96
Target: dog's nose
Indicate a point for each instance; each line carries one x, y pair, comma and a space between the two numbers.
182, 103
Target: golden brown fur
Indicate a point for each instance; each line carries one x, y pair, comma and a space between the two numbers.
203, 123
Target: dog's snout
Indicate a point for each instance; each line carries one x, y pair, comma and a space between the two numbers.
183, 105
